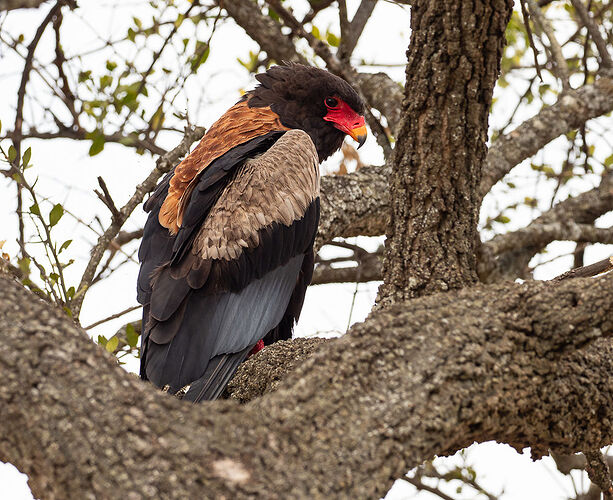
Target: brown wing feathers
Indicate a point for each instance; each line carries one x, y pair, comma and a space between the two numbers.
238, 125
247, 205
263, 219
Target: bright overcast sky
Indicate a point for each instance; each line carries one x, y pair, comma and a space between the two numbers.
68, 175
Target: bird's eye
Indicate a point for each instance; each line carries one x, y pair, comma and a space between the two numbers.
331, 102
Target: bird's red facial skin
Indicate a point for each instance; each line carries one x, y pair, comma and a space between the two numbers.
345, 119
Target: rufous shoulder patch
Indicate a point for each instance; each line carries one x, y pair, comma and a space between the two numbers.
237, 125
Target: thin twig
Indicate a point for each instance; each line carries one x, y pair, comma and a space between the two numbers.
156, 56
554, 45
163, 165
424, 487
601, 45
113, 316
106, 198
602, 266
21, 92
526, 17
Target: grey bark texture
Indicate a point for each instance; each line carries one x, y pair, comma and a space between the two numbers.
432, 236
524, 364
20, 4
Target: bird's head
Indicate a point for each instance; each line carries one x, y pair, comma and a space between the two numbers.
311, 99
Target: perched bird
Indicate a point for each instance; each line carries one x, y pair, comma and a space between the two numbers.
227, 250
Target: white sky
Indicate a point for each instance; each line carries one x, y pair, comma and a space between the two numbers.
68, 175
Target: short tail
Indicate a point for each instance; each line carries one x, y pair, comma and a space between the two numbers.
218, 373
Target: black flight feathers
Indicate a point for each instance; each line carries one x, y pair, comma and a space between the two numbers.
201, 317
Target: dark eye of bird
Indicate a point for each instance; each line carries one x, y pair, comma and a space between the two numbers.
331, 102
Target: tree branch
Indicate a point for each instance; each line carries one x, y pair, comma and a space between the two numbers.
523, 364
353, 30
506, 256
20, 4
588, 22
353, 204
164, 164
571, 111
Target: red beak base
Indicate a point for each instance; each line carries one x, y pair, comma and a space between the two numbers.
347, 120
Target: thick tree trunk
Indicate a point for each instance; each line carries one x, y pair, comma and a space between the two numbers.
523, 364
453, 64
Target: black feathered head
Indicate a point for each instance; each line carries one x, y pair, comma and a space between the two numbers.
311, 99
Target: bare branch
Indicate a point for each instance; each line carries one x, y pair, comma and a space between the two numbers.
367, 267
556, 51
112, 317
351, 31
20, 4
163, 165
588, 22
354, 204
106, 198
540, 235
602, 266
421, 486
133, 139
572, 109
541, 339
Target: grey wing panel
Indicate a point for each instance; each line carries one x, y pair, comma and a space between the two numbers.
218, 324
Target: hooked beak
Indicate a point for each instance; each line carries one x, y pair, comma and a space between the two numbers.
358, 134
348, 121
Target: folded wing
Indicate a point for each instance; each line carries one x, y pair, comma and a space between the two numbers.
236, 271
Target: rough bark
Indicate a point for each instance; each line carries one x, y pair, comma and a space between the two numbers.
20, 4
453, 64
507, 256
570, 112
524, 364
353, 204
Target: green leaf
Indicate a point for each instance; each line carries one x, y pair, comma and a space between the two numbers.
55, 214
131, 335
101, 340
105, 81
25, 159
34, 209
200, 56
64, 246
111, 65
70, 292
273, 15
97, 145
54, 277
332, 39
131, 34
608, 161
0, 126
24, 265
12, 153
112, 344
84, 76
503, 219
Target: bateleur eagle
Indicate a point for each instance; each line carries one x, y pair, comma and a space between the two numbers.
227, 250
